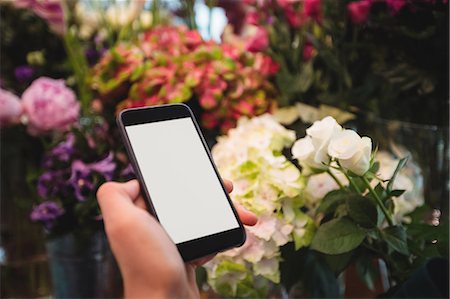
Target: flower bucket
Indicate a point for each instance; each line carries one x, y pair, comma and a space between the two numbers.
83, 268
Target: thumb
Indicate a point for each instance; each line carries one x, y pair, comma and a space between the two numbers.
113, 197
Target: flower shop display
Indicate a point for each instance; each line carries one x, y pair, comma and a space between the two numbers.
174, 64
331, 203
345, 203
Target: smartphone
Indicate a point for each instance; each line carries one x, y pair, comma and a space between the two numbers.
179, 180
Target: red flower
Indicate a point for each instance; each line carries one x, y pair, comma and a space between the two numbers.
395, 5
259, 41
294, 17
313, 9
252, 17
266, 65
308, 51
359, 11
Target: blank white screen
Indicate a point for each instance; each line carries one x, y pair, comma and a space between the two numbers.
185, 192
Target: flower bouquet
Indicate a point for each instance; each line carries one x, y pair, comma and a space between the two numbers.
339, 206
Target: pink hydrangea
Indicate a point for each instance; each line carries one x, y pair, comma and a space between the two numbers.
10, 108
49, 105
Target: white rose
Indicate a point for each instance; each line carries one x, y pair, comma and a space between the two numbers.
321, 133
352, 151
307, 155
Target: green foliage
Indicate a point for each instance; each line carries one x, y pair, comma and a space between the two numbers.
337, 236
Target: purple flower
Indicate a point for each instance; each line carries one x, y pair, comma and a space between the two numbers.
128, 172
64, 150
47, 212
105, 167
23, 73
81, 179
50, 183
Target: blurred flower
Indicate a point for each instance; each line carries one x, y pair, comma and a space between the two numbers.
10, 108
47, 212
313, 9
88, 18
23, 73
64, 150
49, 105
359, 10
49, 10
105, 167
408, 179
395, 5
308, 51
173, 65
352, 151
51, 182
81, 178
259, 41
123, 13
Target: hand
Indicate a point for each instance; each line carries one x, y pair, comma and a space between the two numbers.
148, 259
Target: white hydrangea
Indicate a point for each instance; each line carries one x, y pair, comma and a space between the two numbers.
268, 184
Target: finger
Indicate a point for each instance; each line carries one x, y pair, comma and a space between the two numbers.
228, 185
247, 217
202, 261
113, 197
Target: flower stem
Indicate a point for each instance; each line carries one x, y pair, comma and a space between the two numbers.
335, 178
352, 183
379, 202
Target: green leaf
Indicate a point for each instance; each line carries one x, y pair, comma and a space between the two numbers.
337, 236
332, 200
400, 165
306, 77
396, 193
362, 210
395, 237
339, 262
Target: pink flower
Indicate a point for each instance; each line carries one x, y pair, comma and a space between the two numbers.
294, 17
252, 17
359, 11
312, 9
266, 65
308, 51
259, 41
395, 5
49, 105
10, 108
49, 10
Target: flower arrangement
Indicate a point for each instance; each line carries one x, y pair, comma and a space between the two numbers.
77, 159
268, 184
174, 64
345, 203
